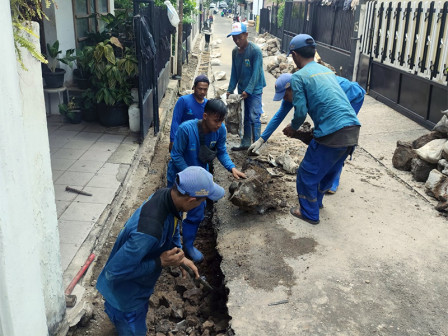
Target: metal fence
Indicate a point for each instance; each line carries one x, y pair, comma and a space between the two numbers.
153, 46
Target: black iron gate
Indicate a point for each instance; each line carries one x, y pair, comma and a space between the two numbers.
332, 26
153, 45
401, 60
146, 55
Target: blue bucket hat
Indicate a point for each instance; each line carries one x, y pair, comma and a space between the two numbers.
238, 28
281, 84
300, 41
195, 181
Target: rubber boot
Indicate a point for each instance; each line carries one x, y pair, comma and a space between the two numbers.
189, 235
256, 132
246, 140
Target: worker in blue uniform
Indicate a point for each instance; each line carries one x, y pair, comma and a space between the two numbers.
354, 92
248, 74
317, 92
190, 106
148, 242
197, 143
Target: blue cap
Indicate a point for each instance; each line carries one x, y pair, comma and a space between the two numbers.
300, 41
238, 28
195, 181
281, 84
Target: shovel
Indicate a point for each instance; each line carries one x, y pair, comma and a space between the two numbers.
197, 281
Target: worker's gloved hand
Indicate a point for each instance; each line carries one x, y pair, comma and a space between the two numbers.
253, 149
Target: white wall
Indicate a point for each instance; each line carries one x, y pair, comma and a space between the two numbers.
31, 293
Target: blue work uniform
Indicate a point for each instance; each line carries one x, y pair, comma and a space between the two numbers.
186, 108
248, 74
354, 92
316, 92
130, 274
185, 153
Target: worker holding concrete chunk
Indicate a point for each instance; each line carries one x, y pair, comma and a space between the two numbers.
336, 127
354, 92
197, 143
148, 242
190, 106
247, 73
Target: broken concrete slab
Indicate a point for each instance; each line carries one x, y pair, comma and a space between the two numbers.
424, 139
403, 156
420, 169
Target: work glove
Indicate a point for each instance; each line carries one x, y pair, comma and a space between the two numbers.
253, 149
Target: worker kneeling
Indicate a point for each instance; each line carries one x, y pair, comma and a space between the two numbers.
149, 241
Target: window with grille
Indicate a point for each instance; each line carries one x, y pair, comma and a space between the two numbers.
86, 14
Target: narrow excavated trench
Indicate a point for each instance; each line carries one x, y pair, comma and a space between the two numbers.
177, 306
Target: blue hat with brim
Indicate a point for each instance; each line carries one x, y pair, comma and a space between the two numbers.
300, 41
281, 84
195, 181
238, 28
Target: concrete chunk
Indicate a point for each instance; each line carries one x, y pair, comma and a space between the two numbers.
403, 156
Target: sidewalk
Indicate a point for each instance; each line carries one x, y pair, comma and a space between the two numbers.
91, 158
100, 161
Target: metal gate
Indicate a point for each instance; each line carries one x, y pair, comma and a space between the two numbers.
147, 79
403, 56
333, 27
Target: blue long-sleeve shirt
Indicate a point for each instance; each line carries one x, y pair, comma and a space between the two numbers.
186, 108
185, 152
316, 92
354, 92
130, 274
247, 70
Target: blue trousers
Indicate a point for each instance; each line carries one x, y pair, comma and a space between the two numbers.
334, 187
316, 174
130, 323
252, 113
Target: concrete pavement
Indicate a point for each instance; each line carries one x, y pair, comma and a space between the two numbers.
376, 263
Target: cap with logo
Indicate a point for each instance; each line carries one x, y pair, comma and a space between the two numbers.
281, 84
238, 28
195, 181
300, 41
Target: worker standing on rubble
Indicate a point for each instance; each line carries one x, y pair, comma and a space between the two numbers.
354, 92
248, 74
148, 242
336, 127
190, 106
197, 143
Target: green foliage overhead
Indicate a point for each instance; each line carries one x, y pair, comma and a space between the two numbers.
280, 13
23, 11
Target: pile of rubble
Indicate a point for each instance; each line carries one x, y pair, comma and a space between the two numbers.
427, 159
265, 187
269, 45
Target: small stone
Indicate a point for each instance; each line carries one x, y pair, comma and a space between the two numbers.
352, 190
367, 281
208, 324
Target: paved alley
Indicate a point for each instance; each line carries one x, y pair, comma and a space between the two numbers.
376, 263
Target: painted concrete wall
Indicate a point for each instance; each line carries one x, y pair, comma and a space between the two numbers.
31, 293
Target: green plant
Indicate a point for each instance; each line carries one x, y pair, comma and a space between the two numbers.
113, 68
87, 100
23, 11
53, 52
280, 14
83, 60
67, 110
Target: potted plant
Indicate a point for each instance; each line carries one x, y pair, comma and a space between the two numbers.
114, 69
71, 111
53, 75
88, 106
82, 74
